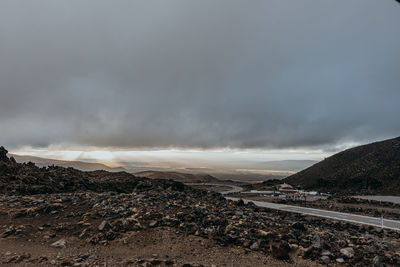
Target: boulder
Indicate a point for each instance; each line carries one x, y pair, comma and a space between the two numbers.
3, 154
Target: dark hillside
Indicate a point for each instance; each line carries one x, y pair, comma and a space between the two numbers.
369, 169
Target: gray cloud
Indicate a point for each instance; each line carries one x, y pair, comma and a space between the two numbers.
206, 74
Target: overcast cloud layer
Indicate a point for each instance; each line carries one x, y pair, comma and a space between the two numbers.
240, 74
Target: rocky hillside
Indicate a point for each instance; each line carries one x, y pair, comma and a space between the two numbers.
178, 176
28, 179
64, 217
368, 169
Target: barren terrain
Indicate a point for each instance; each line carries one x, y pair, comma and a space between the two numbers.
61, 216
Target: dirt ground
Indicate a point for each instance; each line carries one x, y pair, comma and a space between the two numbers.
138, 249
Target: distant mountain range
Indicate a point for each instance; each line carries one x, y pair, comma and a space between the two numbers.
79, 165
369, 169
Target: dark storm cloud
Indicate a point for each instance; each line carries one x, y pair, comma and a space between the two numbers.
198, 73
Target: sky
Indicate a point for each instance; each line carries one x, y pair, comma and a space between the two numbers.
259, 77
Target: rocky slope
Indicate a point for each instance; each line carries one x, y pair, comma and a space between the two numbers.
57, 216
28, 179
368, 169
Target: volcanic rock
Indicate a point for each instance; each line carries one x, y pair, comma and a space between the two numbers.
3, 154
377, 261
281, 250
340, 260
104, 226
347, 252
325, 259
298, 226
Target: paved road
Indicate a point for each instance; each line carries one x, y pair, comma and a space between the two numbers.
353, 218
234, 188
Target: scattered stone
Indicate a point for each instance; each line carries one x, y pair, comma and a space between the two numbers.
255, 246
347, 252
316, 243
59, 244
340, 260
83, 233
377, 261
8, 232
104, 226
325, 259
153, 224
281, 250
326, 253
298, 226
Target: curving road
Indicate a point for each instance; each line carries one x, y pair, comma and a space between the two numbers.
347, 217
235, 189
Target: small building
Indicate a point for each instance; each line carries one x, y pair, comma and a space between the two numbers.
285, 186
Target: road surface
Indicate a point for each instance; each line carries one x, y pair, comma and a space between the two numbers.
234, 188
353, 218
